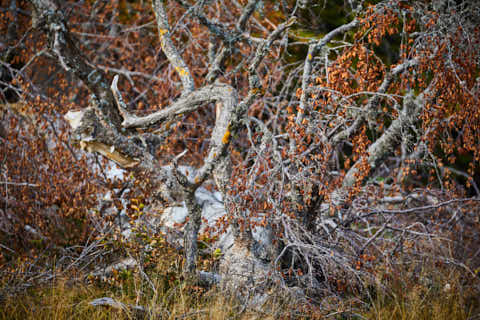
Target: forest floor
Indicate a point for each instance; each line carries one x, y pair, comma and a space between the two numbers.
43, 286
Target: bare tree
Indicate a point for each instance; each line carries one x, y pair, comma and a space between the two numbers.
107, 127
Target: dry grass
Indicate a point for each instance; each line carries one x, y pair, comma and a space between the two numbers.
434, 293
441, 298
61, 301
56, 302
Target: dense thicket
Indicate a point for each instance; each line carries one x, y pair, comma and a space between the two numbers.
347, 132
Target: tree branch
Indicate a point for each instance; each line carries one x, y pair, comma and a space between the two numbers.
383, 145
313, 48
52, 20
373, 101
169, 49
187, 103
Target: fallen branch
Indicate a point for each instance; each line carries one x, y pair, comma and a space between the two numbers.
138, 311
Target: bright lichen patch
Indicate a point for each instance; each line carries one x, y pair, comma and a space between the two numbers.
226, 137
162, 32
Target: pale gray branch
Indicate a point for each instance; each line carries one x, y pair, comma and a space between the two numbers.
169, 48
186, 103
383, 145
372, 102
313, 48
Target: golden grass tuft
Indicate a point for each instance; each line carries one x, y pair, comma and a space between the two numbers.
61, 301
433, 294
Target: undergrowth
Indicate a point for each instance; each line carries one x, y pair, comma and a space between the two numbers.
422, 291
49, 282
